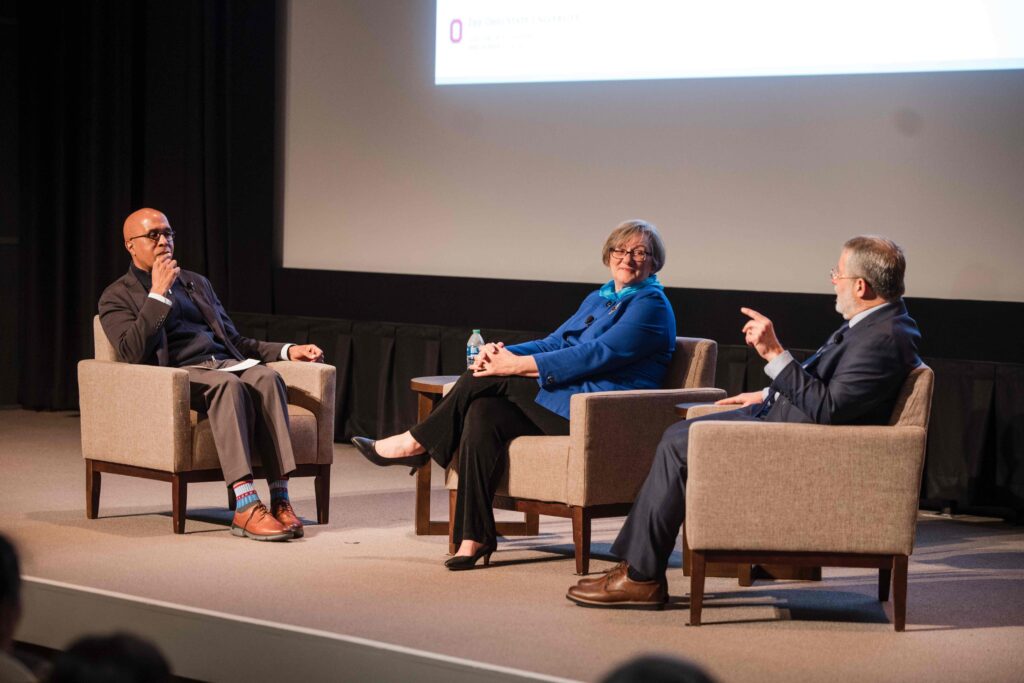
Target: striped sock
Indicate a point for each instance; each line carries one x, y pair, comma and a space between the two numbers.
279, 490
245, 494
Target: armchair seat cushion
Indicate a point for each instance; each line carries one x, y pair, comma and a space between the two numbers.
537, 468
538, 465
203, 454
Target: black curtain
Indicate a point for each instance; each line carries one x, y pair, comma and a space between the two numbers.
129, 104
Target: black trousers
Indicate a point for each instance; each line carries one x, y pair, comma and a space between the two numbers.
649, 534
479, 416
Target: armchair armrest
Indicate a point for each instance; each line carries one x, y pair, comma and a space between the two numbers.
135, 414
613, 436
312, 386
708, 409
793, 487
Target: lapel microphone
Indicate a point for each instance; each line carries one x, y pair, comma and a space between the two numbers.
589, 320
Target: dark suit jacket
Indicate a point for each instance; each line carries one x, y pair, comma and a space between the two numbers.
854, 380
134, 321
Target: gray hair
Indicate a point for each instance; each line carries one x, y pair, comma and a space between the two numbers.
631, 228
880, 262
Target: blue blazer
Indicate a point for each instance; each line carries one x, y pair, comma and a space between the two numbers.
605, 347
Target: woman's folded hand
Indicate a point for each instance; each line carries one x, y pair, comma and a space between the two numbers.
494, 360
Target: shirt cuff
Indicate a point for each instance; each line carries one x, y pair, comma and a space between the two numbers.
284, 351
776, 365
161, 299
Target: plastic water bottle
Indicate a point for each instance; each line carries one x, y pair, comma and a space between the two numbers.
473, 345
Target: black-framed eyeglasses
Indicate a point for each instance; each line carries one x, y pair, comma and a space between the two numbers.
155, 235
639, 254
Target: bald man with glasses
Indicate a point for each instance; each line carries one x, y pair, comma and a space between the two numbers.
159, 314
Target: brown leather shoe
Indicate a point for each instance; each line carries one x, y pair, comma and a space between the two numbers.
616, 589
283, 512
599, 577
257, 523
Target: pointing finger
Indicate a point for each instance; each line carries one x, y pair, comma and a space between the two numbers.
751, 313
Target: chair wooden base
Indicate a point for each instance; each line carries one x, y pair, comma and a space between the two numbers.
580, 516
530, 526
746, 573
180, 481
892, 568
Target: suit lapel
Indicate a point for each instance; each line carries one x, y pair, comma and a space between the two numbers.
138, 295
832, 344
209, 312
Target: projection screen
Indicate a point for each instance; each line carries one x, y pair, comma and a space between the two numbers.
754, 181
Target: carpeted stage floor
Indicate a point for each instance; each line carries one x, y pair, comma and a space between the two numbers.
368, 575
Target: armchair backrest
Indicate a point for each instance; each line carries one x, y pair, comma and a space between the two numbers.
693, 364
913, 405
102, 349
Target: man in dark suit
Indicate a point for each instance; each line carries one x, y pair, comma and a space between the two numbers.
853, 379
159, 314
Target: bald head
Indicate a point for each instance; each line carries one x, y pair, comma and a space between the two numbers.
139, 231
138, 222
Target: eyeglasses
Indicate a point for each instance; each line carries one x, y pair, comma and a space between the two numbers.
834, 274
639, 254
155, 235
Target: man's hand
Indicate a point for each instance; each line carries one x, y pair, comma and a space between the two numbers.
760, 334
747, 399
165, 272
310, 353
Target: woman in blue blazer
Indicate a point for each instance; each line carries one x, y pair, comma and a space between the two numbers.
622, 337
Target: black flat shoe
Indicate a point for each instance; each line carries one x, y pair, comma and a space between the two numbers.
459, 563
369, 450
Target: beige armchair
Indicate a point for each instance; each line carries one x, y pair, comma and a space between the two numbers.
810, 495
597, 470
177, 444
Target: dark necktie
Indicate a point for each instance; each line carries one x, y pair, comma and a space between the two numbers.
836, 338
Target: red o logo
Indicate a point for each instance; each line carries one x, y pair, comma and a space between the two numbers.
455, 31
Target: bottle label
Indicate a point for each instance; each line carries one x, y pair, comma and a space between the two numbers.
471, 352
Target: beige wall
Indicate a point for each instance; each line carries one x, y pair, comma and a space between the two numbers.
754, 182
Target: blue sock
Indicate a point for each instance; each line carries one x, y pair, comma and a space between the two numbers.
245, 494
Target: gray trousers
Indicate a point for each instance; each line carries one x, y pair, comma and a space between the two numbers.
248, 413
649, 534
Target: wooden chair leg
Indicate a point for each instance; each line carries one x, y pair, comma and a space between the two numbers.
422, 506
581, 538
696, 586
179, 497
745, 574
884, 580
451, 521
322, 489
899, 589
532, 520
92, 490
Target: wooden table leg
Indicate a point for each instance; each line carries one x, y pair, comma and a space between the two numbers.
424, 525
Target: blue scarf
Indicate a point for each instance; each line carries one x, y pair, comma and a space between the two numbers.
608, 292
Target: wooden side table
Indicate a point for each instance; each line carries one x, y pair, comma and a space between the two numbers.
430, 390
746, 573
